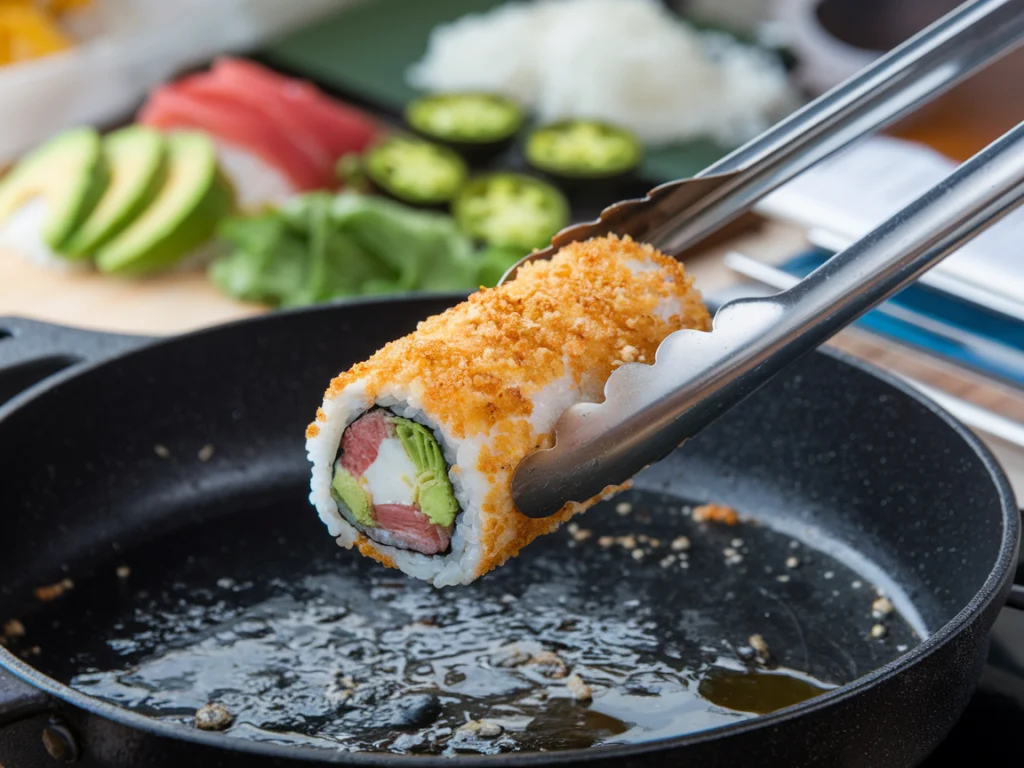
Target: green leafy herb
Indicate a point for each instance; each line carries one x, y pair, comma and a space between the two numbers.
495, 261
320, 246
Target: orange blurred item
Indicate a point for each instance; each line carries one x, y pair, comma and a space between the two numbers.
28, 30
962, 121
54, 7
60, 6
974, 113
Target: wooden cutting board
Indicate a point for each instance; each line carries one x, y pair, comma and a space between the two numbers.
168, 304
185, 300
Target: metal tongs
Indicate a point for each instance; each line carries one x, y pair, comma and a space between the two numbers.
650, 409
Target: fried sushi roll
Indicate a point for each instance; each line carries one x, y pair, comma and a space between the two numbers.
413, 450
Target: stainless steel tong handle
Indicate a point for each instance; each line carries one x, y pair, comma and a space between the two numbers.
679, 214
650, 409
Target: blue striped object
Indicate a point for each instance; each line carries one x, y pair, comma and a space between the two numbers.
998, 353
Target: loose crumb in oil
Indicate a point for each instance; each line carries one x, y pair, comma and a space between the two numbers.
14, 628
485, 729
205, 453
680, 544
123, 572
715, 513
551, 665
878, 631
579, 689
762, 653
792, 562
579, 534
511, 656
53, 591
213, 717
161, 451
340, 689
623, 508
638, 554
881, 608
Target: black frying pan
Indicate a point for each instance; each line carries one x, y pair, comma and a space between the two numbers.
184, 460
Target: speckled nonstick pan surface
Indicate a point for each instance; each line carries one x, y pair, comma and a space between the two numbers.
167, 482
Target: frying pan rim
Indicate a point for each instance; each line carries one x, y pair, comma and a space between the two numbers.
995, 585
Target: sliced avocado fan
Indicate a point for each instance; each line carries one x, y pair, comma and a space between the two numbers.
135, 163
69, 173
433, 492
183, 214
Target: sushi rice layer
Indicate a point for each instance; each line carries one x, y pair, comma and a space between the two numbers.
491, 376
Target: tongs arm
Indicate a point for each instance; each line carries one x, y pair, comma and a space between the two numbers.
679, 214
650, 409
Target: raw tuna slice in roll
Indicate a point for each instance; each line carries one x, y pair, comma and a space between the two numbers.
413, 450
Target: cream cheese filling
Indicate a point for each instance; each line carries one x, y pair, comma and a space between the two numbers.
391, 478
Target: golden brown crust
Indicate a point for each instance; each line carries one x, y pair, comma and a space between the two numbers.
716, 513
478, 366
367, 549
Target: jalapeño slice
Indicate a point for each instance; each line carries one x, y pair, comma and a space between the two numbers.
583, 149
510, 210
477, 125
415, 171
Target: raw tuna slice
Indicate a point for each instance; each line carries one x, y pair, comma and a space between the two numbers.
412, 528
266, 102
361, 441
338, 127
172, 106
